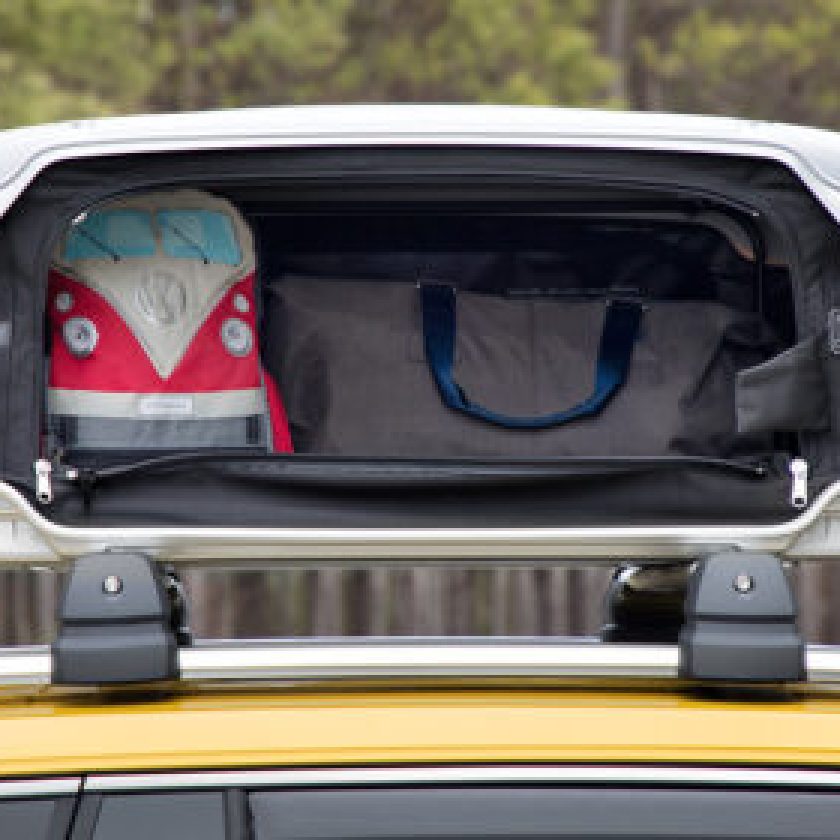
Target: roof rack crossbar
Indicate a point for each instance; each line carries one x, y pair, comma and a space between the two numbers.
123, 620
416, 658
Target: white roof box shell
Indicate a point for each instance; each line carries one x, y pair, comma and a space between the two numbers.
811, 153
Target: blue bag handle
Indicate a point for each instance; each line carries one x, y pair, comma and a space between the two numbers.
621, 328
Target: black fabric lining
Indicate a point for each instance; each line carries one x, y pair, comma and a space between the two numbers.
252, 497
30, 229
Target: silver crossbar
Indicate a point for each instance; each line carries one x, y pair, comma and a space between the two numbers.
426, 658
339, 659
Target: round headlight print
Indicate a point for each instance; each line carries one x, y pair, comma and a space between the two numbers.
237, 337
80, 336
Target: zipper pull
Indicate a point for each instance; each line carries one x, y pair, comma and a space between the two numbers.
799, 482
43, 481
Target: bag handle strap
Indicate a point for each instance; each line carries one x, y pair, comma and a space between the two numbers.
621, 328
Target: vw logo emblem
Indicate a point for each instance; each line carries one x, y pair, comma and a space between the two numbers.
162, 298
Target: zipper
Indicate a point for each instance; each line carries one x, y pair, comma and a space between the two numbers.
48, 472
798, 483
326, 470
43, 481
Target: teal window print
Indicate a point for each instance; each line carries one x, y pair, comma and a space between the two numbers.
198, 234
110, 234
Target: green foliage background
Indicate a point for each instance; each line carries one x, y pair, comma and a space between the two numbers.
775, 59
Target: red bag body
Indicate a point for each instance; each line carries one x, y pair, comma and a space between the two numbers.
154, 340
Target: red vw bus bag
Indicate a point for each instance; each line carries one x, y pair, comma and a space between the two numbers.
154, 343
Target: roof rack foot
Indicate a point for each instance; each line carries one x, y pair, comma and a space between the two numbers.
116, 623
741, 622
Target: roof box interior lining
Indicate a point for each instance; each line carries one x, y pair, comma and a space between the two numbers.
146, 171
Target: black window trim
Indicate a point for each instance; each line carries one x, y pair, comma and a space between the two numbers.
236, 785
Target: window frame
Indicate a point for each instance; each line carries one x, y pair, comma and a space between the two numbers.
238, 784
63, 792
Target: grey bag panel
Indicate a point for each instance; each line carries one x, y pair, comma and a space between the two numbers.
348, 357
355, 380
786, 393
679, 393
97, 434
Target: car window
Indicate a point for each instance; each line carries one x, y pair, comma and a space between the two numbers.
198, 234
34, 819
541, 812
160, 816
110, 234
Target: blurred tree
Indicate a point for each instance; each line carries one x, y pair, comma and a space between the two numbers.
760, 58
73, 58
769, 59
614, 19
516, 51
262, 52
652, 28
250, 52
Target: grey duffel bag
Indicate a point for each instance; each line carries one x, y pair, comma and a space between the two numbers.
396, 369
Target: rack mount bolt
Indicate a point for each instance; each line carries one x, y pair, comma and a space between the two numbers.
743, 583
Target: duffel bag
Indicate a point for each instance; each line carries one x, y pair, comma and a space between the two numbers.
154, 344
401, 369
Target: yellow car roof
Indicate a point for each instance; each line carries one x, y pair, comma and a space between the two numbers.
55, 733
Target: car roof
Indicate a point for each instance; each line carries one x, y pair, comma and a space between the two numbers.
331, 725
813, 154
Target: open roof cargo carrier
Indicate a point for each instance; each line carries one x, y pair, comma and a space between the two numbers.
743, 223
485, 201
